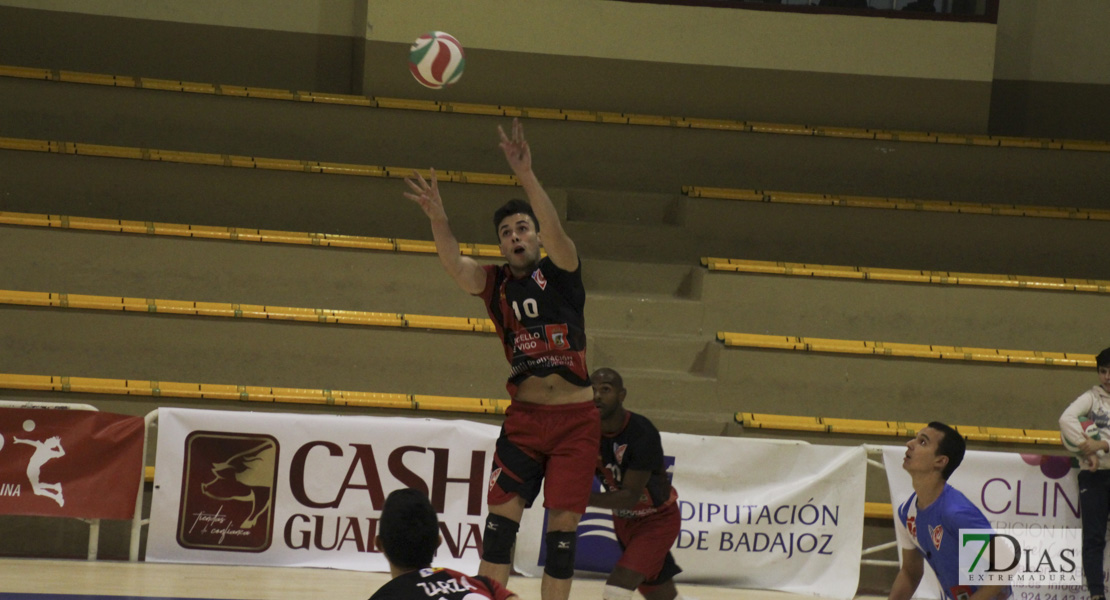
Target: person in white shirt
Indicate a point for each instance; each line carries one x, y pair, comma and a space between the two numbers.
1092, 408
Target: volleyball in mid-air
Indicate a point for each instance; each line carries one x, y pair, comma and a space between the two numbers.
436, 59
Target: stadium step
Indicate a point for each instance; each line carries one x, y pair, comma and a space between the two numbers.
252, 352
911, 389
624, 207
694, 354
612, 156
667, 397
632, 312
216, 194
955, 315
682, 281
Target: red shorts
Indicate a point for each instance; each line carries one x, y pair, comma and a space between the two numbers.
557, 443
647, 544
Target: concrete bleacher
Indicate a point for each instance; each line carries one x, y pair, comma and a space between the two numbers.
634, 198
659, 323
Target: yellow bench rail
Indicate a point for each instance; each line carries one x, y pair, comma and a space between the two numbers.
244, 311
895, 349
248, 393
237, 234
900, 429
737, 265
247, 162
613, 118
1008, 210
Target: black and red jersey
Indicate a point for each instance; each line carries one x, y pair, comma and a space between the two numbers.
541, 321
636, 447
440, 584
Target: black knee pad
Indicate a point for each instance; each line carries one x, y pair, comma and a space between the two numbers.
560, 554
498, 539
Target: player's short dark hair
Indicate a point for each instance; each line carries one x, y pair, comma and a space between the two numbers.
514, 207
1103, 358
951, 445
409, 529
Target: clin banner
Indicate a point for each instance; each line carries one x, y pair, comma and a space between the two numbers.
278, 489
69, 463
1017, 492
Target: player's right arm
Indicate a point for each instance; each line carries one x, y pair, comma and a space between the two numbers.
633, 485
909, 576
464, 270
560, 248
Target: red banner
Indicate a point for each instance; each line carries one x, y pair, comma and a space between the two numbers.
69, 463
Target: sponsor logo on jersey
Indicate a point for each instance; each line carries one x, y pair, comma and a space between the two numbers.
557, 336
541, 281
493, 477
530, 342
911, 524
938, 533
618, 451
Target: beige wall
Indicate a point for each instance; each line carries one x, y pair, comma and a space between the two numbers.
1063, 41
700, 35
329, 17
606, 29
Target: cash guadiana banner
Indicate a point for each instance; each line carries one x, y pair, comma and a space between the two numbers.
69, 463
306, 490
755, 514
1015, 491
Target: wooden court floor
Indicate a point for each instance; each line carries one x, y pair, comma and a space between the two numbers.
42, 579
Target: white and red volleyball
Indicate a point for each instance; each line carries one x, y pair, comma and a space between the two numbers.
436, 59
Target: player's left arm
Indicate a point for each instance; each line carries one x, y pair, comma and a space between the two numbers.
560, 248
633, 485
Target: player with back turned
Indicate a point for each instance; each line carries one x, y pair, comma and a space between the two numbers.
551, 430
408, 535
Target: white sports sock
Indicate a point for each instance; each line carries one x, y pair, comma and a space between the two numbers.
613, 592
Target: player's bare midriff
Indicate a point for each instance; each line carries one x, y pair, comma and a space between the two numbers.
552, 389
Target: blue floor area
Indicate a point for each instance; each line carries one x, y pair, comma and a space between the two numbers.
29, 596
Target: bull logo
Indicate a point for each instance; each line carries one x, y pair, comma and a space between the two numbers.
246, 477
228, 491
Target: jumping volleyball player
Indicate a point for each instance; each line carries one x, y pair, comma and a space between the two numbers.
552, 429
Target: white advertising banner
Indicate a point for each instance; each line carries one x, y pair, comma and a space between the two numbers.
276, 489
756, 514
1014, 491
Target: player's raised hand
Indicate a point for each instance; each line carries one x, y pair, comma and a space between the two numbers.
516, 148
426, 194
